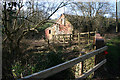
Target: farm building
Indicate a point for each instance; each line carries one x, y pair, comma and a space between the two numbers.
66, 24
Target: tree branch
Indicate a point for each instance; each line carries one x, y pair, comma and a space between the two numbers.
17, 15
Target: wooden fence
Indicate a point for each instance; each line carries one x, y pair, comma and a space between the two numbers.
76, 38
55, 69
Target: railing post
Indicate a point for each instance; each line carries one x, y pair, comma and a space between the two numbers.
99, 42
89, 37
59, 37
82, 53
63, 38
70, 39
48, 42
53, 38
78, 39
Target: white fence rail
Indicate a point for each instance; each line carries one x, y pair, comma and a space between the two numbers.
55, 69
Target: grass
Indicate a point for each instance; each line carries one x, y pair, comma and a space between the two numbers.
113, 56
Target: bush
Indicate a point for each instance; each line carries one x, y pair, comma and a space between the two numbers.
39, 62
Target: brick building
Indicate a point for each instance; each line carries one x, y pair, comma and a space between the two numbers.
65, 24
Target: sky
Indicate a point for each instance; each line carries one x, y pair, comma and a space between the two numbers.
112, 2
61, 10
72, 0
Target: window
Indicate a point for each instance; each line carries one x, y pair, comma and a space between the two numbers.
49, 31
63, 21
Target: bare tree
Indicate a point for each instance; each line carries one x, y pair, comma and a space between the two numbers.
17, 22
92, 12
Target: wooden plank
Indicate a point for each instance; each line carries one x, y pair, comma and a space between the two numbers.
64, 34
91, 70
78, 39
84, 33
82, 41
87, 33
92, 32
55, 69
82, 37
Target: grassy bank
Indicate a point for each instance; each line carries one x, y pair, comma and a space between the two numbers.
113, 56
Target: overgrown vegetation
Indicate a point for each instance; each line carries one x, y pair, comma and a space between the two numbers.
38, 62
35, 62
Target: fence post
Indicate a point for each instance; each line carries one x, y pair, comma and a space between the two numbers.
89, 37
99, 42
63, 38
48, 42
70, 39
78, 39
58, 37
82, 65
53, 38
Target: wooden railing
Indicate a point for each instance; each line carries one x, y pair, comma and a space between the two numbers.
55, 69
66, 38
